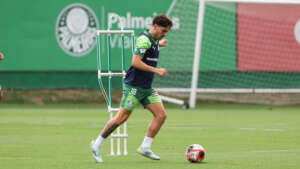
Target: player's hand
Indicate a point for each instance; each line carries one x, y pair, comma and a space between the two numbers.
161, 72
163, 43
1, 94
1, 56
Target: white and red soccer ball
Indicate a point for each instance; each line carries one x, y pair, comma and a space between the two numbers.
195, 153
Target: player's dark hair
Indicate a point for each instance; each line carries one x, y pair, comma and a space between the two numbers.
162, 20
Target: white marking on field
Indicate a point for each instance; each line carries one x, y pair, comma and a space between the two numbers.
263, 129
15, 158
185, 127
273, 130
269, 151
248, 129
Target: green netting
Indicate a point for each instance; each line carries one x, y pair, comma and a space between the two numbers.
219, 52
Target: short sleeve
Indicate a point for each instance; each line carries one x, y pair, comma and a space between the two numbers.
142, 44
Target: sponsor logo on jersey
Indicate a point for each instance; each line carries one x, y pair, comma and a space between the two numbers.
152, 59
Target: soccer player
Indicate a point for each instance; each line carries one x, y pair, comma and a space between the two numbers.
137, 87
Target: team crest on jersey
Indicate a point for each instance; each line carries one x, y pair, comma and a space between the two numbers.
129, 103
76, 28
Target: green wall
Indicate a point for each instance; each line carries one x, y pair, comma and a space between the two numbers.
28, 32
34, 58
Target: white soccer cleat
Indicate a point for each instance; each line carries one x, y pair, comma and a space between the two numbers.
96, 153
147, 153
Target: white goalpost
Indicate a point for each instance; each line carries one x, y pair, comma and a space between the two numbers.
230, 54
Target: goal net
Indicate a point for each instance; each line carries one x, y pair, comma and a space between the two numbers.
248, 51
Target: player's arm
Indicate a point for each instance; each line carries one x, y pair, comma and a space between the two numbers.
142, 45
139, 64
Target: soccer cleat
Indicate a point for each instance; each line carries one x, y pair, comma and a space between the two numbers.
96, 153
147, 153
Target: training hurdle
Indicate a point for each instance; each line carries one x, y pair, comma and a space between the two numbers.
117, 135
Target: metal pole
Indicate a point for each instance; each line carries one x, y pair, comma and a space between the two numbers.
109, 90
197, 53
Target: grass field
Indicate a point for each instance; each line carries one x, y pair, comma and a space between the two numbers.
235, 137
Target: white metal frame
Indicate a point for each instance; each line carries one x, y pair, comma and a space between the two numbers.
115, 135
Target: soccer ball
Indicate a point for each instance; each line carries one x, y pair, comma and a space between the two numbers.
195, 153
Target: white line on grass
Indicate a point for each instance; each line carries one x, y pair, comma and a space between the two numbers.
15, 158
269, 151
276, 151
248, 129
273, 129
263, 129
185, 127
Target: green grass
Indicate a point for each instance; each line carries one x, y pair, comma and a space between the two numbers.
234, 136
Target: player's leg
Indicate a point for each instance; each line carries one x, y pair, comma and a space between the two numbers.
154, 104
128, 103
159, 117
110, 126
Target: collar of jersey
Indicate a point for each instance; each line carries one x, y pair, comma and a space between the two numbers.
147, 32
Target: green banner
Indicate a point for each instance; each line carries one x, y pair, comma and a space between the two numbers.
60, 35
